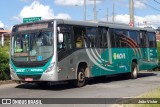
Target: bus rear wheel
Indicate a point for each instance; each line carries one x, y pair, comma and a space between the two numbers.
134, 71
80, 82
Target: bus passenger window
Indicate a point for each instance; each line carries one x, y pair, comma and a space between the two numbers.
120, 38
91, 35
134, 35
112, 38
143, 40
152, 39
104, 38
79, 36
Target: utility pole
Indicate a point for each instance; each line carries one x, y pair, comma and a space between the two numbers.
2, 39
95, 11
84, 10
131, 11
113, 13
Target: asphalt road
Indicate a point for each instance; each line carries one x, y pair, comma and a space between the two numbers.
110, 87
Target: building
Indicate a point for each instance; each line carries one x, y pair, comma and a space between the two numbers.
158, 37
4, 36
158, 34
5, 32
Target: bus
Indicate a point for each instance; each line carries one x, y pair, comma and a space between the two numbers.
66, 50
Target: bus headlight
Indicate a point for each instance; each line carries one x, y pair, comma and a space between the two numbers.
50, 68
11, 68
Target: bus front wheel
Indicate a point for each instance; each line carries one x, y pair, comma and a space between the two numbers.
80, 78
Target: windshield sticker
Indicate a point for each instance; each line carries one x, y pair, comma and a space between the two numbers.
39, 58
18, 50
21, 54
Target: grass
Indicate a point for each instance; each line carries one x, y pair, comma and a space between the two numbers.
158, 47
152, 94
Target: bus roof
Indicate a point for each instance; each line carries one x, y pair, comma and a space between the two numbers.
89, 23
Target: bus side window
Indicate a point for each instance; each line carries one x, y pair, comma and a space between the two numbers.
120, 38
79, 36
91, 35
104, 38
134, 35
67, 41
152, 39
143, 39
112, 38
99, 39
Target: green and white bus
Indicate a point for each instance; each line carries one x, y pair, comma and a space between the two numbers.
61, 50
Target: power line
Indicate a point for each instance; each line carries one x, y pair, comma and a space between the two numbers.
157, 1
142, 20
150, 5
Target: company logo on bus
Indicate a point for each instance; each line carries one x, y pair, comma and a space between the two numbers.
119, 56
29, 70
20, 70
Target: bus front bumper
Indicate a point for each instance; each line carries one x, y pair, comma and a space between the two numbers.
45, 76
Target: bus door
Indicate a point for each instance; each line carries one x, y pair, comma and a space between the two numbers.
152, 46
65, 49
144, 46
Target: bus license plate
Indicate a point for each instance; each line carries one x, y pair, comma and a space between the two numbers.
28, 79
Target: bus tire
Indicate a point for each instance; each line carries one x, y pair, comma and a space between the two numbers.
80, 81
134, 71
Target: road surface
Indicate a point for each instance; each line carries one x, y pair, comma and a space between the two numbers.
110, 87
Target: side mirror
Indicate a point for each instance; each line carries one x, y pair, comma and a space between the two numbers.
60, 37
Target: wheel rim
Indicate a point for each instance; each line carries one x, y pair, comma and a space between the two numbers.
81, 76
135, 72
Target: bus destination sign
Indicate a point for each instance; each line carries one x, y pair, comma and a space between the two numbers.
33, 26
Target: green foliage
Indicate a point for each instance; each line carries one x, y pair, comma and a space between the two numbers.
4, 62
158, 47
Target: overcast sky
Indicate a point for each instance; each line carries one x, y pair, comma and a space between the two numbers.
13, 11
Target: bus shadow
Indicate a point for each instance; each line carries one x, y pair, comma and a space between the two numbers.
91, 81
146, 74
53, 87
114, 78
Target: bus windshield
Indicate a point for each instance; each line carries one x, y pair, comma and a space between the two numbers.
35, 46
